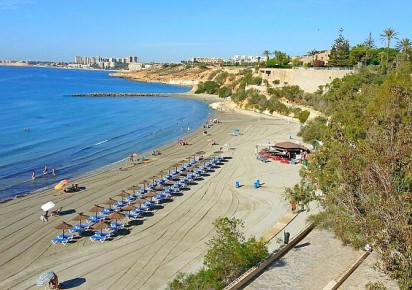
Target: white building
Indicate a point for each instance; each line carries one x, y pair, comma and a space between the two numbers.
247, 59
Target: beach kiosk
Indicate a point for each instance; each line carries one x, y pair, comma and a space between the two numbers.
291, 151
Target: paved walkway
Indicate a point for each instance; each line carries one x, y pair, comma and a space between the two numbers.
314, 262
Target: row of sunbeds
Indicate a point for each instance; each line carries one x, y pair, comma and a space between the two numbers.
147, 198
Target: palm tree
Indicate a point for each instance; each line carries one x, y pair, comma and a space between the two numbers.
387, 35
404, 46
266, 53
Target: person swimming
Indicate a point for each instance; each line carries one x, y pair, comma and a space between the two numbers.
33, 175
45, 170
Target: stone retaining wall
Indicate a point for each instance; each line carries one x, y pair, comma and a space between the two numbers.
308, 80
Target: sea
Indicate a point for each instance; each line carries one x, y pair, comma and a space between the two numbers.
42, 124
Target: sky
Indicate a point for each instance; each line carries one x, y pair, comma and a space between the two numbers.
175, 30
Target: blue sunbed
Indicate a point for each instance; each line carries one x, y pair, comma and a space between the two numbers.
60, 240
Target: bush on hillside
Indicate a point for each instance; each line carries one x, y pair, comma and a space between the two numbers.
208, 87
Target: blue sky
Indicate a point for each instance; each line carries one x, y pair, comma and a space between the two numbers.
174, 30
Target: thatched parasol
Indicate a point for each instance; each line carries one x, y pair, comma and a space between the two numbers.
110, 202
100, 226
134, 188
116, 216
123, 194
150, 194
97, 208
63, 226
79, 217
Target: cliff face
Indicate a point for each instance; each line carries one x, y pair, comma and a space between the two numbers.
172, 75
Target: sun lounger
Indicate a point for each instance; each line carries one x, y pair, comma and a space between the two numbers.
114, 228
76, 230
66, 236
94, 219
82, 226
132, 216
120, 204
118, 225
60, 240
103, 234
98, 238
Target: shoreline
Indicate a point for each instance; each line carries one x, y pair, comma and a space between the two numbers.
174, 236
114, 164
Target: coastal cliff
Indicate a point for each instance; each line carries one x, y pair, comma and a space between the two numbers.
178, 75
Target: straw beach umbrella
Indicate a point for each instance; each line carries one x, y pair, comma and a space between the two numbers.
96, 209
138, 202
79, 217
144, 182
63, 226
110, 202
128, 208
100, 226
150, 194
134, 188
116, 216
123, 194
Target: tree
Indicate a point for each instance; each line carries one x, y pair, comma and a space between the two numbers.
266, 53
281, 57
230, 254
369, 43
387, 35
364, 169
404, 46
339, 54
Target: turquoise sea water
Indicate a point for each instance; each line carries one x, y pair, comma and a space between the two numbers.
41, 124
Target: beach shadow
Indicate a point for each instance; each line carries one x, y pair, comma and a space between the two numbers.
88, 233
185, 188
72, 283
277, 264
192, 183
205, 174
67, 211
302, 245
177, 194
227, 158
158, 206
167, 200
147, 214
122, 232
135, 223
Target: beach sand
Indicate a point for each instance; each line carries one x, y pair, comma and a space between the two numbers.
173, 238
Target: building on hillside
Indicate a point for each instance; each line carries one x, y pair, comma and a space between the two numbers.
136, 66
239, 59
316, 60
206, 60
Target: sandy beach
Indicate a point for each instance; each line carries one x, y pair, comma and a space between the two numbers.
165, 241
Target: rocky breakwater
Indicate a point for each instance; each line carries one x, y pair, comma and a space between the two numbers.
97, 94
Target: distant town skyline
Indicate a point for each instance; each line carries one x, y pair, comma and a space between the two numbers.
171, 31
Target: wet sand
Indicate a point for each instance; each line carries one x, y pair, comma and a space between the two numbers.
167, 240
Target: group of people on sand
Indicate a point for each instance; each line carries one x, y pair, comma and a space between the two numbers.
181, 142
45, 172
